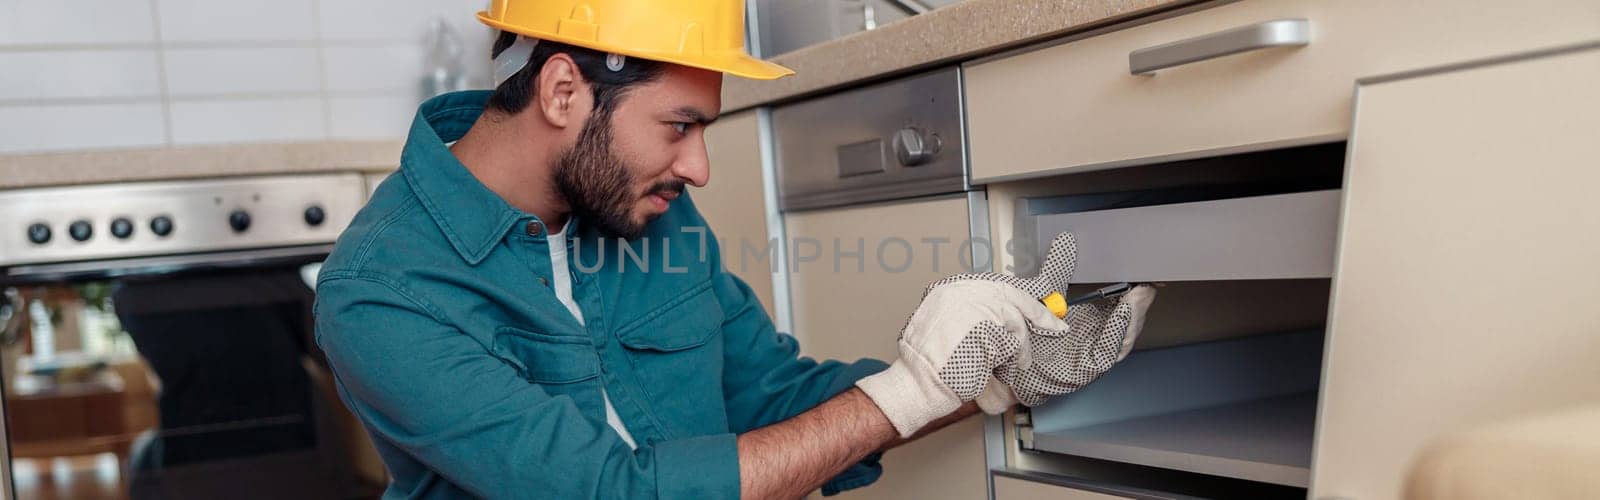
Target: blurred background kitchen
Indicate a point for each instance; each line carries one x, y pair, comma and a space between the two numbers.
156, 337
173, 171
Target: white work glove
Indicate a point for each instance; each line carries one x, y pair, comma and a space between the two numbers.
1052, 362
972, 329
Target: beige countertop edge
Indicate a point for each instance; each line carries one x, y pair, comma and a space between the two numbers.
93, 167
965, 30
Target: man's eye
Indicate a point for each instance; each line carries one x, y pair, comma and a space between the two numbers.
681, 127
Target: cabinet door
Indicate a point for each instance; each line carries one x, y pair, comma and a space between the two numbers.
733, 203
858, 273
1467, 283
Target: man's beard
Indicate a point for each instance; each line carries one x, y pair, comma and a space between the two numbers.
597, 184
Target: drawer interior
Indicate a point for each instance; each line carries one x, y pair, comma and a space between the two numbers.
1241, 408
1219, 397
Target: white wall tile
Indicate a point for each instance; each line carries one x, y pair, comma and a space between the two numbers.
363, 81
75, 21
394, 68
409, 21
212, 20
248, 120
378, 117
405, 20
223, 71
69, 74
30, 129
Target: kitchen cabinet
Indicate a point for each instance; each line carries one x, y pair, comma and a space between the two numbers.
1465, 287
1457, 292
733, 202
851, 302
875, 207
1075, 106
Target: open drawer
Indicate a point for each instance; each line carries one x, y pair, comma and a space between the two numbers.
1241, 408
1276, 236
1219, 397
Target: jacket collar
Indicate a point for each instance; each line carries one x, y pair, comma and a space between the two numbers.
473, 218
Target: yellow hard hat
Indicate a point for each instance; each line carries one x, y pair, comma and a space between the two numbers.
706, 34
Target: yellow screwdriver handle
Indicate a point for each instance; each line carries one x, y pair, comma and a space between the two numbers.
1056, 303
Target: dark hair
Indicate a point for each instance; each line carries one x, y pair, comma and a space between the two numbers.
514, 95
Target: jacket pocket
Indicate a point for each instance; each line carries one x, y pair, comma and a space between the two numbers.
677, 358
687, 324
547, 359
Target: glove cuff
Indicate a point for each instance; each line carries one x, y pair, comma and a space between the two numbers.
909, 394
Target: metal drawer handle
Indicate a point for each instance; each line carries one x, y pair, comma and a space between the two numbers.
1279, 33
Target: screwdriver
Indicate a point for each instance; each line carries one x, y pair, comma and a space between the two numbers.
1058, 305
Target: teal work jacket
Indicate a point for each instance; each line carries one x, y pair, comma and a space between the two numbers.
446, 340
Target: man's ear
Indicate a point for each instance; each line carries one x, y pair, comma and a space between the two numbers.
559, 90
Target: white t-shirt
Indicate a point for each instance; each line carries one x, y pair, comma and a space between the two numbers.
561, 280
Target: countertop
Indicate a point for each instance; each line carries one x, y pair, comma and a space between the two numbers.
90, 167
961, 31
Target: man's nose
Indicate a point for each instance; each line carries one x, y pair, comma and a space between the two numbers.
695, 166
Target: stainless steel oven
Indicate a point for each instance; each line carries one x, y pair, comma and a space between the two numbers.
158, 341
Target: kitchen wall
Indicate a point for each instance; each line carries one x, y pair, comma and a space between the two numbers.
107, 74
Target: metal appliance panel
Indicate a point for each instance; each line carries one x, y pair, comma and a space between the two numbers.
198, 209
895, 140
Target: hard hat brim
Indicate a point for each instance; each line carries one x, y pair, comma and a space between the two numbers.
733, 63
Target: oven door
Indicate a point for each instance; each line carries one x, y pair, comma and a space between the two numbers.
176, 377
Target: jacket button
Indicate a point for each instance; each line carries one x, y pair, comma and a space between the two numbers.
543, 281
534, 227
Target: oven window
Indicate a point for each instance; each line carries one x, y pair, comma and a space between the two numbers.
201, 385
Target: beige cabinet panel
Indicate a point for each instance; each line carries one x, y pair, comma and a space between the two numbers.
1465, 289
733, 202
1008, 488
1076, 107
857, 310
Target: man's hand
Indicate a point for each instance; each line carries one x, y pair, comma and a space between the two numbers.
795, 457
974, 330
964, 330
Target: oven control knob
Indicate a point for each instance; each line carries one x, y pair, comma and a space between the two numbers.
315, 215
122, 228
161, 225
239, 220
39, 233
81, 230
913, 146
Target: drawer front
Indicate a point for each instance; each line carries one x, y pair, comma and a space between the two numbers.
1076, 106
1283, 236
1010, 488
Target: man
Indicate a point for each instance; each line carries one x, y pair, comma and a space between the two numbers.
483, 325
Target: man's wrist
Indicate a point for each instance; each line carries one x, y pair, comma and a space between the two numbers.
908, 398
881, 429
